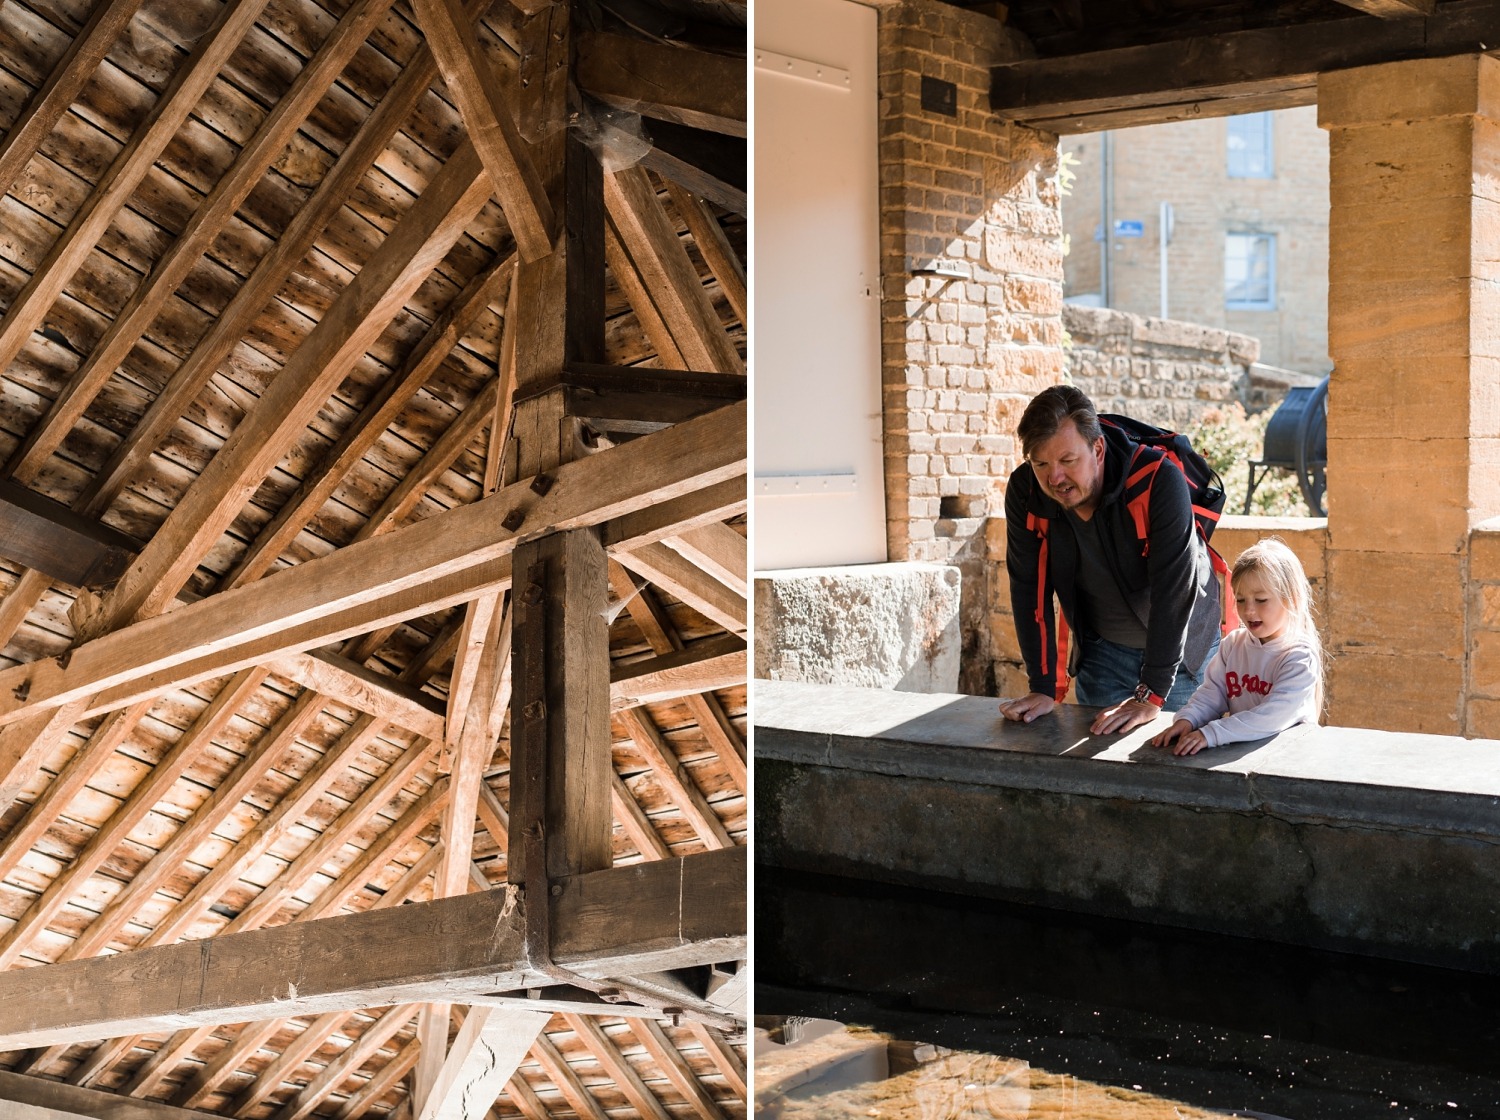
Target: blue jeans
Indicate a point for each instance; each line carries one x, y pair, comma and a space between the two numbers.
1108, 673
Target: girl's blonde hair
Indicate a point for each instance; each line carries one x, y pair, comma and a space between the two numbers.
1281, 572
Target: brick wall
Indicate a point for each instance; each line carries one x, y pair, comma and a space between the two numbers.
961, 355
1158, 370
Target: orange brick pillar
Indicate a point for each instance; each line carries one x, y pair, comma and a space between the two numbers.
1414, 404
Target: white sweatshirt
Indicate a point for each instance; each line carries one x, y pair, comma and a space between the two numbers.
1253, 689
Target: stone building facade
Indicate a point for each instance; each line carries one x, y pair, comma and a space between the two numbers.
1258, 183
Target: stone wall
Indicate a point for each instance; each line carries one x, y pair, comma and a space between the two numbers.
962, 354
1157, 370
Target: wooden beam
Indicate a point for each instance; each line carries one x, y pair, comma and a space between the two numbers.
673, 83
634, 821
1225, 73
674, 778
637, 215
722, 1055
486, 109
1394, 9
372, 422
568, 1083
439, 561
645, 917
713, 722
484, 1056
560, 740
360, 312
705, 163
384, 1080
719, 551
69, 75
63, 545
363, 689
672, 572
52, 1100
205, 224
670, 1061
186, 88
712, 242
376, 1035
621, 1072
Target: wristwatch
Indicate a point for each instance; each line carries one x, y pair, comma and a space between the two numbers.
1144, 695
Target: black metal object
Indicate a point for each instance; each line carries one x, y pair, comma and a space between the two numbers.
1297, 441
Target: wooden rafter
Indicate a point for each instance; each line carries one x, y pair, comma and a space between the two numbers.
678, 84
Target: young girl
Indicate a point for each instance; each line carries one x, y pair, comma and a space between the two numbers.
1267, 675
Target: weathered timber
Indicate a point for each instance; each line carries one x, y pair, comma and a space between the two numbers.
61, 544
365, 690
710, 664
1394, 9
484, 1056
1219, 73
690, 87
52, 1100
413, 565
486, 108
699, 589
704, 162
655, 916
560, 742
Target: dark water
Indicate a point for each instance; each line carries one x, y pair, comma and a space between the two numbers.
1217, 1023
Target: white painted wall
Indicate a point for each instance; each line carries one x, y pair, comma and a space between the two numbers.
819, 487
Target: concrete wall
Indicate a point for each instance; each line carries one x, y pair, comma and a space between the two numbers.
1186, 164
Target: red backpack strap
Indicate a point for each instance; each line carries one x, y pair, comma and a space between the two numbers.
1039, 526
1139, 506
1221, 570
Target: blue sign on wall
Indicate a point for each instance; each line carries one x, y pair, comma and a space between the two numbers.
1124, 227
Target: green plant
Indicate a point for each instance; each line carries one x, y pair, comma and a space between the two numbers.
1229, 439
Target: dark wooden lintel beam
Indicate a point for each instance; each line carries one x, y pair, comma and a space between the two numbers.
64, 545
1393, 9
53, 1100
1222, 74
635, 400
691, 87
708, 164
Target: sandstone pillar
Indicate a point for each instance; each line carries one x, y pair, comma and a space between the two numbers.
1414, 404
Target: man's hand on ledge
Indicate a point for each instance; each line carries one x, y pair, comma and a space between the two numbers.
1126, 716
1028, 707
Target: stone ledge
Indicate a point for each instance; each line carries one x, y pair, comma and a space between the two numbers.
1358, 841
1371, 778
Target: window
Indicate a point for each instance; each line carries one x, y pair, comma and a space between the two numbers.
1250, 270
1250, 147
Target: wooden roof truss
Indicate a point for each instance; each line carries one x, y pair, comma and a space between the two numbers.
373, 563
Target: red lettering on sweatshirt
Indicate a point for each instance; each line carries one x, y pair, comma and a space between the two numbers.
1234, 685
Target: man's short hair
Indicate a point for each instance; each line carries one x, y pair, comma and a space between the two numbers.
1050, 409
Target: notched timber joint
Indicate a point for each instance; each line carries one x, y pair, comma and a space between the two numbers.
537, 889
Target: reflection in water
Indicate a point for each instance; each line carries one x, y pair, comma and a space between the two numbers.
1099, 1019
821, 1070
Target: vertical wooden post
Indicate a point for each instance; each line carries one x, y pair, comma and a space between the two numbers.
560, 735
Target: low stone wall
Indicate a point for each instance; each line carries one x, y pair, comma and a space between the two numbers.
873, 625
1335, 838
1158, 370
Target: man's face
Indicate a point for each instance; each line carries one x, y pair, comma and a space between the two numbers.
1069, 469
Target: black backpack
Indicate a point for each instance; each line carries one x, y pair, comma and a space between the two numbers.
1205, 486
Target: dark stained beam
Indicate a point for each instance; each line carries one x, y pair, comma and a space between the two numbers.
1393, 9
641, 918
706, 163
631, 400
1223, 74
679, 84
65, 546
53, 1100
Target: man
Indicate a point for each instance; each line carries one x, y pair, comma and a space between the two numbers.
1144, 612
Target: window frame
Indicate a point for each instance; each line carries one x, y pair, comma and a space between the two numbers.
1267, 147
1269, 303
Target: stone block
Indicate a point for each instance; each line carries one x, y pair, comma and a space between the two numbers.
1305, 536
1397, 603
1482, 718
1384, 242
1429, 159
1484, 552
1484, 664
1414, 90
1367, 487
1394, 692
1373, 399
